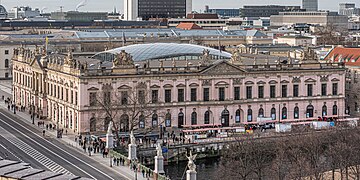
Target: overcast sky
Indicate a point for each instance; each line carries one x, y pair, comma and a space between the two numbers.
108, 5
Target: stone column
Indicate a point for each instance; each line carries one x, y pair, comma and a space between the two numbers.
191, 175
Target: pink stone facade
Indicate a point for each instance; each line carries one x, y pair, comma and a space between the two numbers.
62, 93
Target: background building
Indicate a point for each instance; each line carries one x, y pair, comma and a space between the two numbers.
3, 12
323, 18
79, 16
146, 9
223, 12
310, 5
23, 12
266, 11
348, 9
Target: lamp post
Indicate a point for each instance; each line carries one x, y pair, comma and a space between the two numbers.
33, 113
14, 106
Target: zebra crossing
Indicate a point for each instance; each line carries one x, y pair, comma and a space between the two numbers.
33, 153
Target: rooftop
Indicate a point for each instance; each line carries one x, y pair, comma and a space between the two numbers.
156, 51
351, 56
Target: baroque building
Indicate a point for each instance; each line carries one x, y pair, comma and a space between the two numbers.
190, 84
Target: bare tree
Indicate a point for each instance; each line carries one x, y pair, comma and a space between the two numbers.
128, 109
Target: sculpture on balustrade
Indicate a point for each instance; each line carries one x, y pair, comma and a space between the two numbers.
236, 58
123, 59
205, 58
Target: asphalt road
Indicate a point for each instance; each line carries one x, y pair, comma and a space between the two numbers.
21, 142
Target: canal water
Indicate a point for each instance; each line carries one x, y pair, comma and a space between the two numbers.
206, 169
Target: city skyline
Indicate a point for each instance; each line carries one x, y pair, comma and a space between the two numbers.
198, 5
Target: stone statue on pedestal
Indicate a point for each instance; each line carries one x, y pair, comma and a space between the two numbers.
236, 58
132, 138
191, 165
205, 59
158, 149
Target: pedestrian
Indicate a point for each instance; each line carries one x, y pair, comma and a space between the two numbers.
89, 149
75, 139
117, 161
43, 132
47, 126
84, 147
149, 173
143, 173
103, 153
134, 167
66, 131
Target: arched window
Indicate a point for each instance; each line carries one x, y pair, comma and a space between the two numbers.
207, 117
141, 121
284, 113
106, 123
124, 123
225, 116
168, 119
335, 110
249, 115
324, 110
92, 124
273, 113
6, 63
193, 118
309, 111
237, 116
154, 120
180, 119
296, 112
261, 113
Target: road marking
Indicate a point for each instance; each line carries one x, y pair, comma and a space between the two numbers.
11, 153
36, 155
56, 147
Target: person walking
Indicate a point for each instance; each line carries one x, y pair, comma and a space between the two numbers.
143, 173
44, 133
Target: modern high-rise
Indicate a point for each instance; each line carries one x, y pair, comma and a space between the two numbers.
266, 11
146, 9
310, 5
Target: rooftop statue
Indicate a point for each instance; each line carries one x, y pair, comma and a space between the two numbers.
191, 165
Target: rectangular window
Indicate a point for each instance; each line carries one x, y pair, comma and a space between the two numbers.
193, 94
236, 93
221, 94
272, 91
76, 98
310, 90
206, 94
92, 98
284, 91
71, 96
180, 95
62, 93
296, 90
248, 92
261, 92
167, 95
124, 97
141, 97
335, 89
323, 89
154, 96
107, 98
66, 95
6, 51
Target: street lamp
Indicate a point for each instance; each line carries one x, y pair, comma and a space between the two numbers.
33, 113
14, 106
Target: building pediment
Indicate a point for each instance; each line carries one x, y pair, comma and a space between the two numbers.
180, 85
155, 86
222, 68
273, 82
194, 85
222, 83
310, 80
168, 86
335, 80
93, 89
124, 87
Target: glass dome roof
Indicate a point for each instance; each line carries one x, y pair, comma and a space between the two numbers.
142, 52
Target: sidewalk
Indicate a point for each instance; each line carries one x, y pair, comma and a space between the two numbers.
69, 139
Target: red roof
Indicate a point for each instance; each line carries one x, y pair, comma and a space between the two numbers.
188, 26
351, 56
